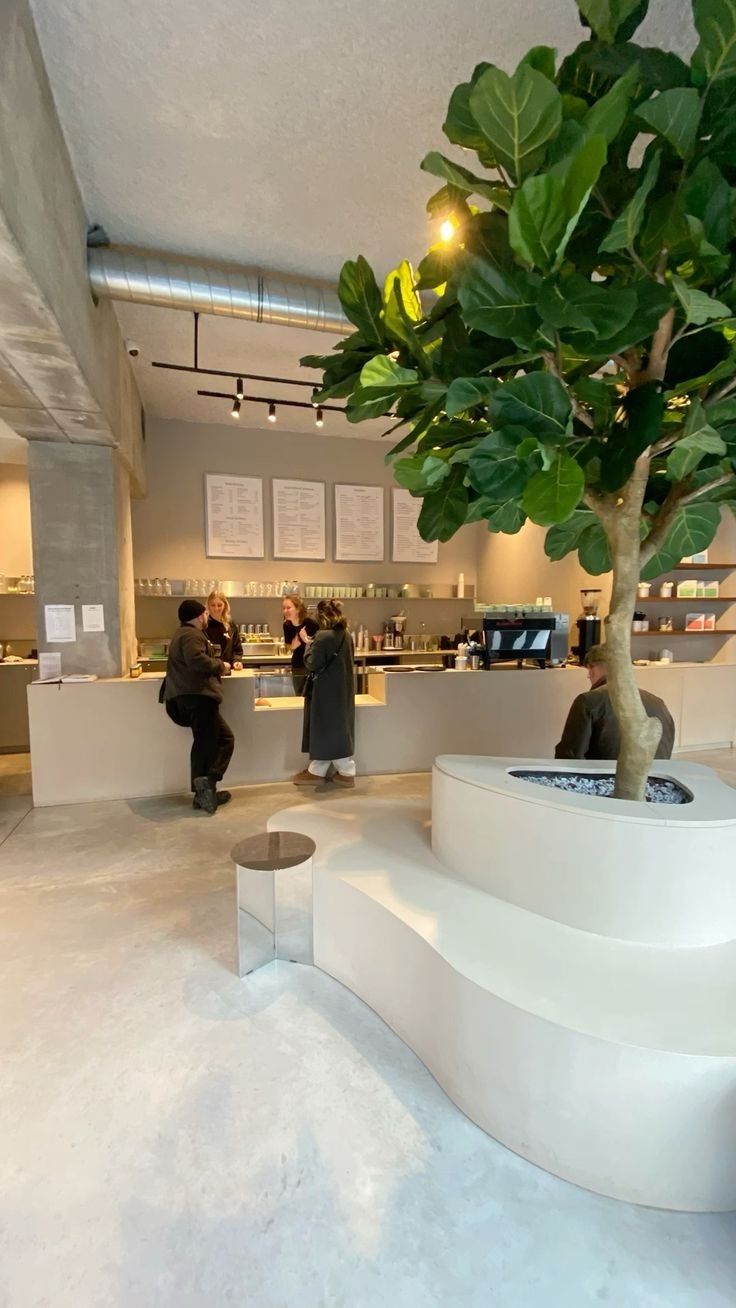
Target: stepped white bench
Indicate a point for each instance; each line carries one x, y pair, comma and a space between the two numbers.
610, 1063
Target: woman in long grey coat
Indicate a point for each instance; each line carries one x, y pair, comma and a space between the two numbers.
329, 701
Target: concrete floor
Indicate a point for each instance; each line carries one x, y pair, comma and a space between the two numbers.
176, 1138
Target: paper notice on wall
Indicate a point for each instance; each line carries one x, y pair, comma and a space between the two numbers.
358, 524
298, 519
60, 623
93, 617
49, 666
407, 544
233, 517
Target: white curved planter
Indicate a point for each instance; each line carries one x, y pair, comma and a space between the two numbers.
664, 874
606, 1060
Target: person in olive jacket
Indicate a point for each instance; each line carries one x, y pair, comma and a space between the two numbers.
193, 694
329, 700
592, 730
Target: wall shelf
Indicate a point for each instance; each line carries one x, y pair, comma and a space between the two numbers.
718, 631
687, 599
709, 567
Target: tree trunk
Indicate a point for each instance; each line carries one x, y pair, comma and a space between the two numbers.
640, 734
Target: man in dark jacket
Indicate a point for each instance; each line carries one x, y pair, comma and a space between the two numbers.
193, 694
592, 730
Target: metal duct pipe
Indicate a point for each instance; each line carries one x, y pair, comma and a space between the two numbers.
175, 283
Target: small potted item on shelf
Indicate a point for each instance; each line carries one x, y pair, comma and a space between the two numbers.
665, 623
666, 589
640, 622
643, 589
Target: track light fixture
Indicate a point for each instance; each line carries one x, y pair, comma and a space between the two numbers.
315, 393
272, 412
319, 420
235, 411
239, 389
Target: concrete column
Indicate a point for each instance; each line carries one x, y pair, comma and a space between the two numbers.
82, 550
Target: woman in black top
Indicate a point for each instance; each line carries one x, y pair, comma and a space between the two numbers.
295, 620
222, 631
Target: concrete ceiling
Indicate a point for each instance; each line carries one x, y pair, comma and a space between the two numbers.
279, 134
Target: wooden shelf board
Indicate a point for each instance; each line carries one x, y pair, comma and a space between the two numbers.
719, 631
687, 599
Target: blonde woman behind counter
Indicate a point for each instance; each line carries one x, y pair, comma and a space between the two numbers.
222, 632
329, 700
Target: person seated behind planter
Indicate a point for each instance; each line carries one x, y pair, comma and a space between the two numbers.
192, 693
592, 730
329, 700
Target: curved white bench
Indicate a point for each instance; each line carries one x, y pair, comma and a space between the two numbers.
608, 1063
658, 873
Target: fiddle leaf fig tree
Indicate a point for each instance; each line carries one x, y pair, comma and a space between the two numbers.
569, 355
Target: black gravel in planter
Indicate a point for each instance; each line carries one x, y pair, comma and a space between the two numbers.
659, 789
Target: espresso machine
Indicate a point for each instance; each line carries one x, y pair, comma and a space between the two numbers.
588, 624
393, 632
515, 635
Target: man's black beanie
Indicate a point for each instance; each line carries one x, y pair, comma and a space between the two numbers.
190, 608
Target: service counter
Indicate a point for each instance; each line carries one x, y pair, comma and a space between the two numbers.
112, 739
14, 678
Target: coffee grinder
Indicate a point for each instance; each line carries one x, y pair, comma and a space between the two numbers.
393, 632
589, 625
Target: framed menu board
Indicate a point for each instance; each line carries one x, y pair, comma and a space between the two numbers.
358, 523
298, 519
407, 544
233, 508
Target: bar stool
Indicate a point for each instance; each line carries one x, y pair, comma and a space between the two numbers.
274, 899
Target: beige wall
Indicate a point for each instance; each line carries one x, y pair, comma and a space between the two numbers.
15, 521
515, 568
168, 526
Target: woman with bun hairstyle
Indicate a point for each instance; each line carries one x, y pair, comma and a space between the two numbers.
222, 631
295, 617
329, 700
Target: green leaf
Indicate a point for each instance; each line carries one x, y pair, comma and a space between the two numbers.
715, 22
495, 469
563, 538
607, 17
436, 164
693, 530
541, 57
443, 512
538, 220
518, 116
659, 70
435, 268
460, 126
707, 196
448, 200
508, 518
467, 392
364, 404
537, 403
699, 438
435, 470
384, 375
553, 495
582, 173
688, 453
675, 115
626, 227
409, 473
498, 303
594, 552
361, 298
699, 307
608, 115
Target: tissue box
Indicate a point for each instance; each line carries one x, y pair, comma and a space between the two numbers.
687, 589
695, 622
700, 557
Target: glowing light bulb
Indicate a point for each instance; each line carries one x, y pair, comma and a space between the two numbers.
447, 231
319, 420
272, 412
235, 411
